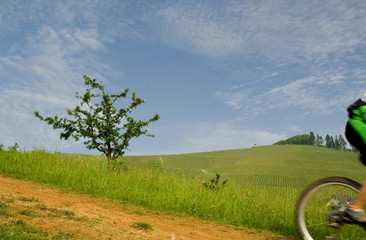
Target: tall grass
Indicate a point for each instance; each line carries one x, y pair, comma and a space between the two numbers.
266, 208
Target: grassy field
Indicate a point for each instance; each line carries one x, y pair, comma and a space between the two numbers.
263, 165
264, 182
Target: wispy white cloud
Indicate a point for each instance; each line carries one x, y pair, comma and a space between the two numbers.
198, 28
19, 125
320, 38
322, 94
43, 72
306, 31
234, 100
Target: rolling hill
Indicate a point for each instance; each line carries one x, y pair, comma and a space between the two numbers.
281, 165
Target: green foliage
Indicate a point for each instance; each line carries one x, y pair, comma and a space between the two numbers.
337, 142
319, 140
100, 123
14, 147
215, 184
312, 139
297, 140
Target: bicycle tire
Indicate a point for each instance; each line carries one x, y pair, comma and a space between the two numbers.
344, 184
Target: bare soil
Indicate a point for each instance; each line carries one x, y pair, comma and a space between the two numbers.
85, 217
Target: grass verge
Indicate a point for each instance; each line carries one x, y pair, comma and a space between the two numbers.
157, 189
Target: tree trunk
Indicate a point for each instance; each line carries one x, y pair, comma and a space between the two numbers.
110, 162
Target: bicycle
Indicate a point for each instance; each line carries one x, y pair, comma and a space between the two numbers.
320, 210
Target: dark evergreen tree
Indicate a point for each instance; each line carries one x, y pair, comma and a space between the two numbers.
311, 139
319, 140
327, 141
336, 143
342, 143
332, 144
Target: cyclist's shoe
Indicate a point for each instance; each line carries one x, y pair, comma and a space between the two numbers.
335, 219
357, 216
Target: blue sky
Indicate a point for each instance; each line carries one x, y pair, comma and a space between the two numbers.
221, 74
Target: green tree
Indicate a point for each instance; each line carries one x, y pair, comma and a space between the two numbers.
342, 143
311, 139
331, 143
298, 140
319, 140
337, 145
97, 121
327, 141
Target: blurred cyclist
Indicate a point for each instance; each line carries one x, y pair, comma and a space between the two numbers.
356, 135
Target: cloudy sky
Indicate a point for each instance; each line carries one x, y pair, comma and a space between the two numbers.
221, 74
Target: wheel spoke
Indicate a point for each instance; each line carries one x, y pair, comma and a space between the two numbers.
324, 201
318, 224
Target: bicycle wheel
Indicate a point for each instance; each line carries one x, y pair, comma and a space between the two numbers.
318, 200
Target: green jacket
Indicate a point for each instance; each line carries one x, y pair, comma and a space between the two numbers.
357, 117
357, 110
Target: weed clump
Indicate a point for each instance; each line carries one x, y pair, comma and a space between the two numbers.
215, 184
142, 226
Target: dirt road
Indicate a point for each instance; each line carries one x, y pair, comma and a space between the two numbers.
94, 218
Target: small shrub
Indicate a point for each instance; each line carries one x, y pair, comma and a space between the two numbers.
215, 184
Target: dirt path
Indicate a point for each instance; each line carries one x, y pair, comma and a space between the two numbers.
94, 218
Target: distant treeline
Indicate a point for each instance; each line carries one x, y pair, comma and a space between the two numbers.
336, 142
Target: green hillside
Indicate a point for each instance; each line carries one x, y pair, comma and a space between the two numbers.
281, 165
267, 179
264, 182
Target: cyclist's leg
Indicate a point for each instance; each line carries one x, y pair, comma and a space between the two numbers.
360, 200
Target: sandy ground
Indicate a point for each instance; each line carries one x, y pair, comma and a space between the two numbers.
95, 218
